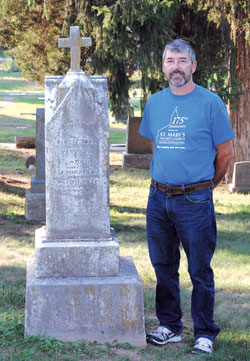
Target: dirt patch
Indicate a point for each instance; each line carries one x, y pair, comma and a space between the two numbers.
13, 180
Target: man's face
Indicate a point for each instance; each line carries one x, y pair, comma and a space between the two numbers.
178, 68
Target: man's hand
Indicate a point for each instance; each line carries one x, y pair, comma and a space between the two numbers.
224, 155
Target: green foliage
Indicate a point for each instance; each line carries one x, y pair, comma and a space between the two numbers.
127, 36
14, 67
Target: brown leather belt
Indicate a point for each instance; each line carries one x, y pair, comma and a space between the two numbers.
182, 189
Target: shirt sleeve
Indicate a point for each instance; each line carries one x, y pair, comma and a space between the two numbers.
222, 130
145, 129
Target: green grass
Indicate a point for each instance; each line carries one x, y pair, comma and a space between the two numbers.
128, 198
17, 117
117, 137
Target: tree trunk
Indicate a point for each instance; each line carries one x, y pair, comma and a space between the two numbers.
240, 116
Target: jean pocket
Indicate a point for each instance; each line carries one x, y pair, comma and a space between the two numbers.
152, 190
199, 197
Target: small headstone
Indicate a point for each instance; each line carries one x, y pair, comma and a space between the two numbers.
241, 178
138, 149
25, 142
30, 160
78, 287
35, 196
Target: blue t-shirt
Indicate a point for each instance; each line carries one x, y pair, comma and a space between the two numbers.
186, 130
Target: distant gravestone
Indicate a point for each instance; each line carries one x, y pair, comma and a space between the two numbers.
78, 287
138, 148
35, 196
241, 178
30, 161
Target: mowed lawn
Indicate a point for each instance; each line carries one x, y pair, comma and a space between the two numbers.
128, 198
19, 100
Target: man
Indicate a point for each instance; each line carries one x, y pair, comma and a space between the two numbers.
191, 137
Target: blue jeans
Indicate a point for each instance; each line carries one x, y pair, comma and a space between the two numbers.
189, 219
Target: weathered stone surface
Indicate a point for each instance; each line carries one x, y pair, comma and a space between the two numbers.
92, 308
77, 161
35, 206
74, 43
30, 160
40, 144
37, 185
139, 161
138, 149
136, 143
78, 289
63, 258
25, 142
241, 178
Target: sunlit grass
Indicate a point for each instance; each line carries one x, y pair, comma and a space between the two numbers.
128, 200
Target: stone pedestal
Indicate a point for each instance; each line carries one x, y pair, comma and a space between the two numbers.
87, 259
138, 161
35, 204
241, 178
100, 309
138, 148
78, 287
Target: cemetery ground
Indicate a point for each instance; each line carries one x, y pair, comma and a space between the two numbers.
128, 197
19, 100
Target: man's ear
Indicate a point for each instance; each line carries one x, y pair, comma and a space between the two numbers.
194, 66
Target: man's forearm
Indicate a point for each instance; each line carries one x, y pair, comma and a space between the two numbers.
222, 160
220, 170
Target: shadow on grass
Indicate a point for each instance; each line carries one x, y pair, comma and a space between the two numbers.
125, 209
244, 213
234, 242
12, 189
125, 228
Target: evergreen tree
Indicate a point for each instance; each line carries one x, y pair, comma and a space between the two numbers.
234, 15
129, 36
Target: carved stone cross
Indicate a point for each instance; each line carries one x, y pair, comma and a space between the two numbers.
75, 43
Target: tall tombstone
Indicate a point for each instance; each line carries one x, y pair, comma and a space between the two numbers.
138, 152
78, 287
241, 178
35, 195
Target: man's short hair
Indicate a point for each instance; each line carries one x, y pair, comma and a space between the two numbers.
179, 45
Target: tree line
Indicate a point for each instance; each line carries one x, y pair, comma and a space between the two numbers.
129, 36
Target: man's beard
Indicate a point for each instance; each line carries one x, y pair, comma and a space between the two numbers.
179, 84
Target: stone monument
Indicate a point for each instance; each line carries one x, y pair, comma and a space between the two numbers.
138, 152
35, 196
78, 287
241, 178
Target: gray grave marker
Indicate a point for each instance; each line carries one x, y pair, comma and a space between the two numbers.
35, 196
241, 178
138, 149
78, 287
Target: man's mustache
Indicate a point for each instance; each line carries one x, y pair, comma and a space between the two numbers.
177, 72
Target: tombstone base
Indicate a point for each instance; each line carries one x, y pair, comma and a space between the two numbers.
37, 185
71, 258
101, 309
139, 161
242, 189
35, 209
